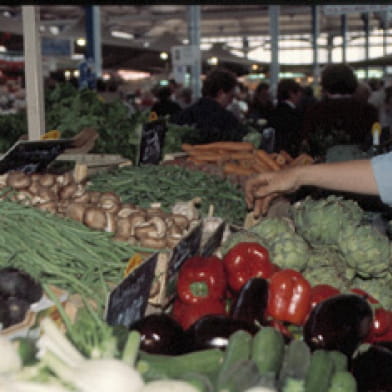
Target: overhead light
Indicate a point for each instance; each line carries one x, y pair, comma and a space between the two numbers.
42, 28
3, 48
164, 56
146, 44
106, 76
213, 60
122, 34
76, 73
255, 67
67, 75
81, 42
77, 56
55, 30
185, 41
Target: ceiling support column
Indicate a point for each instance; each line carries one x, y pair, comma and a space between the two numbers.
93, 35
193, 15
315, 34
366, 28
343, 22
33, 72
274, 12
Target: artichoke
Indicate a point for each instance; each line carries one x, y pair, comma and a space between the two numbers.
288, 250
319, 221
379, 288
268, 228
326, 274
365, 249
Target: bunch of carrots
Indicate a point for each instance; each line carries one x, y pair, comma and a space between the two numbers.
242, 158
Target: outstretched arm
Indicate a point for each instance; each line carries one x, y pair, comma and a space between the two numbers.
350, 176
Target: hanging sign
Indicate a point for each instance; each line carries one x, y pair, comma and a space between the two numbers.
128, 301
151, 142
358, 9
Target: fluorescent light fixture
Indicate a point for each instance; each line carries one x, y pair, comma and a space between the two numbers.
122, 34
67, 75
3, 48
77, 56
81, 42
76, 73
255, 67
164, 56
55, 30
213, 60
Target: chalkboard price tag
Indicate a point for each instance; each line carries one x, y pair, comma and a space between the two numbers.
151, 142
32, 156
128, 301
214, 241
188, 247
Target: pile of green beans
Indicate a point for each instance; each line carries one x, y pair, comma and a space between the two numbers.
61, 252
167, 184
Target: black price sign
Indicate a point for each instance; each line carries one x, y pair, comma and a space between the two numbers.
151, 142
188, 247
33, 156
128, 301
214, 241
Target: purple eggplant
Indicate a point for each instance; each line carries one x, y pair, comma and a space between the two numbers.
251, 302
213, 331
160, 334
339, 323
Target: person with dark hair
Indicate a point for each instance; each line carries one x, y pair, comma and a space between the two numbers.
286, 118
209, 114
261, 105
339, 118
165, 105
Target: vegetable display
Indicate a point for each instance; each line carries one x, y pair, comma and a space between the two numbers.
169, 184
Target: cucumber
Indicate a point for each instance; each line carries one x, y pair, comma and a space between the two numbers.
242, 375
340, 360
343, 381
199, 381
238, 348
320, 372
296, 362
293, 385
268, 350
156, 366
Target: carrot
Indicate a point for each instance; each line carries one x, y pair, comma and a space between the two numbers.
187, 147
207, 157
246, 163
263, 157
273, 155
288, 157
232, 146
240, 156
260, 167
302, 159
233, 168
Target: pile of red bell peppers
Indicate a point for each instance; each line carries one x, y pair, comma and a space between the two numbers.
209, 285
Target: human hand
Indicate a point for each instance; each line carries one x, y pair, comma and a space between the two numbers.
260, 190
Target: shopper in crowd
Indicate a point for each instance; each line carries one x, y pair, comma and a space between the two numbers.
185, 97
339, 118
239, 104
377, 95
362, 92
209, 114
385, 112
368, 176
286, 118
261, 104
165, 106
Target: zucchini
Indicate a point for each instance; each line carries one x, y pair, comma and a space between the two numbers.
268, 350
343, 381
340, 360
320, 372
238, 348
158, 366
241, 375
296, 362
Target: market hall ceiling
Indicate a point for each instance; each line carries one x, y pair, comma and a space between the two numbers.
158, 27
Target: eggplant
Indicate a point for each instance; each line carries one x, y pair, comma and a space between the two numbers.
251, 302
160, 334
372, 369
17, 283
338, 323
213, 331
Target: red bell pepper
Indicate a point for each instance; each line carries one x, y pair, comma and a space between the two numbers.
244, 261
289, 296
320, 292
365, 295
201, 279
187, 314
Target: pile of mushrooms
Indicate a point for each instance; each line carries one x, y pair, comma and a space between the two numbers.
63, 195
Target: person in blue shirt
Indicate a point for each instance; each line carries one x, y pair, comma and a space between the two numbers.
366, 176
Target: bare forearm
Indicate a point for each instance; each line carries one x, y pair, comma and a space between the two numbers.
351, 176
